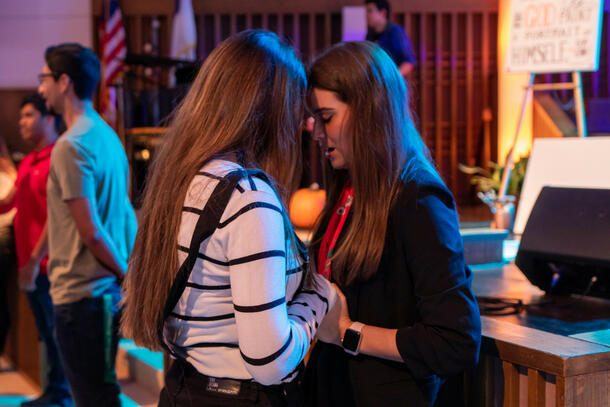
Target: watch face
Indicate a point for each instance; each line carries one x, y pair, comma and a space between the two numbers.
351, 339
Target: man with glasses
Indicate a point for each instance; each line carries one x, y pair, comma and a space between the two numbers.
91, 226
29, 196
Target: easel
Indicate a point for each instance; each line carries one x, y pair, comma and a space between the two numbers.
576, 86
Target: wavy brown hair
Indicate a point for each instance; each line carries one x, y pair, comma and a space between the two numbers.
246, 101
386, 150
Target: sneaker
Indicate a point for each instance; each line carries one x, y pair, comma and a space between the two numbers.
48, 399
64, 401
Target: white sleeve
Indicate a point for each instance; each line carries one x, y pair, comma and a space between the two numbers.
273, 336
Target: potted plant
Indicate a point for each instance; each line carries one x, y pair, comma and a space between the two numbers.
488, 184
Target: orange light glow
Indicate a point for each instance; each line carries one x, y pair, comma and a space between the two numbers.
511, 90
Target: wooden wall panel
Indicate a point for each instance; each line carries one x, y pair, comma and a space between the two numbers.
455, 44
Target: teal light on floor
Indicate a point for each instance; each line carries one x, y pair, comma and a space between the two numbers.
10, 401
154, 359
127, 402
6, 401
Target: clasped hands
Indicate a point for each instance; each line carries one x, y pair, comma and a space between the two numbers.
336, 322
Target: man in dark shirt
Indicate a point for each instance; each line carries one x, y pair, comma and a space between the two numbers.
389, 36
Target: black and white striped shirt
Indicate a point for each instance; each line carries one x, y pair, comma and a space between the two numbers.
244, 314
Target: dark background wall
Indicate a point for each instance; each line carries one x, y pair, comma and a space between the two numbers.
454, 81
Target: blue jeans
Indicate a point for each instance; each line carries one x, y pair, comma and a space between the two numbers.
88, 351
42, 309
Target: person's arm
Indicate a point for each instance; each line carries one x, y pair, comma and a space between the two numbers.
7, 202
447, 338
376, 341
405, 68
29, 272
95, 237
131, 225
72, 166
274, 334
7, 168
406, 56
6, 164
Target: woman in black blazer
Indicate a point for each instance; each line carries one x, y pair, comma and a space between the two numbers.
388, 237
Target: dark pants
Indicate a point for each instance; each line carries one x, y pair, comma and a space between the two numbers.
333, 378
185, 386
5, 321
88, 351
42, 309
7, 270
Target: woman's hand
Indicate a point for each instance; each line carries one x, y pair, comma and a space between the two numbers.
376, 341
337, 320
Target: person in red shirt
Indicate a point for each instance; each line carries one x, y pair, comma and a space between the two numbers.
39, 128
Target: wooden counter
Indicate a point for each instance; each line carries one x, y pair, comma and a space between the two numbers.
553, 354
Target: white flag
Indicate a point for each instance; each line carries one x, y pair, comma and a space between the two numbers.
184, 34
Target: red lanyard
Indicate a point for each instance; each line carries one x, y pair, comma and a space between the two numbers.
333, 230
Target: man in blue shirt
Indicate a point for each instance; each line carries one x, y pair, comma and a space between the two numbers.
389, 36
91, 226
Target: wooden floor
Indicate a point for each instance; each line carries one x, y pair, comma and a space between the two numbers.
14, 387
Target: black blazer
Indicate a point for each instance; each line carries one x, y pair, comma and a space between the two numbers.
422, 288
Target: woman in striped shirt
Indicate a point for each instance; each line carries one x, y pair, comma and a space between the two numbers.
217, 275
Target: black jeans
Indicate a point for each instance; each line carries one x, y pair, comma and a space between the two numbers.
42, 309
8, 266
87, 336
185, 387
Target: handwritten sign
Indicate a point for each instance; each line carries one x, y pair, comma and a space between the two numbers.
554, 35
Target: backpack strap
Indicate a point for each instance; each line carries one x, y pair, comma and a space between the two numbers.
206, 225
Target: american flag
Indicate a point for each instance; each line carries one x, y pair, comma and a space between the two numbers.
113, 49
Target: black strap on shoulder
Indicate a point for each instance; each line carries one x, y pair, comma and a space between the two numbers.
206, 225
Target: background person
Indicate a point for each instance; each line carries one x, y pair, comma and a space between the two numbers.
29, 196
91, 226
246, 311
389, 36
8, 174
388, 236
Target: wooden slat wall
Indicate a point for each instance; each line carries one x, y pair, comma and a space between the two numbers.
454, 80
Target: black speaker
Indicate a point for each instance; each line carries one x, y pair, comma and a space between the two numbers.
565, 246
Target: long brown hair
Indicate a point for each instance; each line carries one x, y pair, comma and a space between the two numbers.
247, 101
386, 149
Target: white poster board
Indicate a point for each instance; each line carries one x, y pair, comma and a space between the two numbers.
563, 162
354, 23
554, 36
28, 27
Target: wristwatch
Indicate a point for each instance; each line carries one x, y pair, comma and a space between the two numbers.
352, 338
